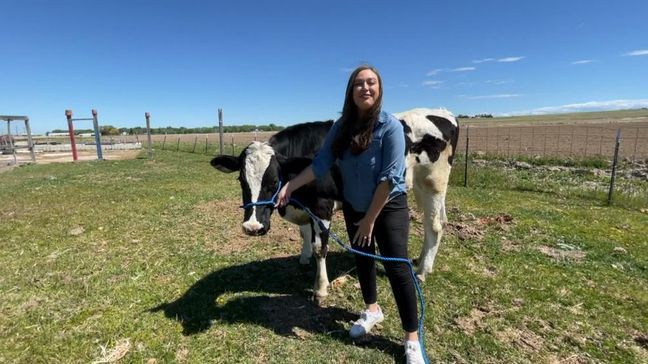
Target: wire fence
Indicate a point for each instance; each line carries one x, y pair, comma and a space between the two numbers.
566, 141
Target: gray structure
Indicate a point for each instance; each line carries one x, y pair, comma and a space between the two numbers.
30, 142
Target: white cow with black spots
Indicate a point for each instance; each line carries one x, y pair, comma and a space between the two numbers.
431, 137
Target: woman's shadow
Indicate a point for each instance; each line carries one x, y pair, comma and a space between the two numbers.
272, 293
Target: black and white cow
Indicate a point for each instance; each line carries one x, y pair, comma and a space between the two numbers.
265, 167
431, 139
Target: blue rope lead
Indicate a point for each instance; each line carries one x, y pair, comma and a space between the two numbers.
347, 247
271, 201
350, 249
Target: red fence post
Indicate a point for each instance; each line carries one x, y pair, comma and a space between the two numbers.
68, 114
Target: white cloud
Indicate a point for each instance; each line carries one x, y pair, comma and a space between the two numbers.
498, 82
583, 61
497, 96
463, 69
640, 52
510, 59
586, 106
435, 71
505, 59
432, 83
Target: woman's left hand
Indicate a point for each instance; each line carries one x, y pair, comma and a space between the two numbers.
363, 235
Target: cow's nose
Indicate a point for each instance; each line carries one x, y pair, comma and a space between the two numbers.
253, 228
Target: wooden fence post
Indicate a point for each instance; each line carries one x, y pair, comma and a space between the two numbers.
614, 165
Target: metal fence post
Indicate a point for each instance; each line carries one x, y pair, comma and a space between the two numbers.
220, 129
68, 114
466, 158
11, 143
148, 134
95, 124
30, 141
614, 165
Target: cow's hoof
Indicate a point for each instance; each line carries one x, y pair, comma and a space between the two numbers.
319, 299
420, 277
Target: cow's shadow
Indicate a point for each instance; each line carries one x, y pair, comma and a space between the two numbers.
273, 293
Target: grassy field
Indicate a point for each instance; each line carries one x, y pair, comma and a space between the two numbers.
144, 261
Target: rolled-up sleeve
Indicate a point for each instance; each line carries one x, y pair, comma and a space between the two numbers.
324, 158
393, 153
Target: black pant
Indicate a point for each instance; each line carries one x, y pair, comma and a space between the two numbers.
390, 231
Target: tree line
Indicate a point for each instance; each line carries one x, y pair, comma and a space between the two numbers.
111, 130
477, 116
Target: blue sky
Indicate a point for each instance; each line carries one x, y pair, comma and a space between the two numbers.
286, 62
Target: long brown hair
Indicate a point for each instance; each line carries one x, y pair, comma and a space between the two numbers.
352, 125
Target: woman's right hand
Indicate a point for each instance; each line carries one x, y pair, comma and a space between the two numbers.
284, 195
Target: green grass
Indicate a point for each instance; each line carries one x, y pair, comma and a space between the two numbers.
160, 261
577, 182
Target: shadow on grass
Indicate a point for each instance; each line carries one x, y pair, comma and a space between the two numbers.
282, 305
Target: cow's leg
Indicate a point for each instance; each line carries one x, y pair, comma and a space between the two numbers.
307, 244
320, 247
432, 204
444, 217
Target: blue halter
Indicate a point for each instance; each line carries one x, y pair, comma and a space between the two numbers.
272, 201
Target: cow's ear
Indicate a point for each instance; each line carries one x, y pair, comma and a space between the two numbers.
226, 163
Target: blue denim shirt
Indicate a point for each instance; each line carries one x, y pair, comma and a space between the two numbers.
384, 160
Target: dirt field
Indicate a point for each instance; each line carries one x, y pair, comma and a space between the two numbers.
576, 139
7, 161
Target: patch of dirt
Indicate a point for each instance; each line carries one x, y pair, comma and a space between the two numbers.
119, 351
473, 322
282, 240
465, 231
573, 359
340, 281
558, 254
181, 355
60, 157
641, 340
509, 245
525, 339
470, 227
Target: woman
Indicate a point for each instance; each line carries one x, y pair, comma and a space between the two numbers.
369, 147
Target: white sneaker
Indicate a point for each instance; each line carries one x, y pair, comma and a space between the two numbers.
413, 353
366, 322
